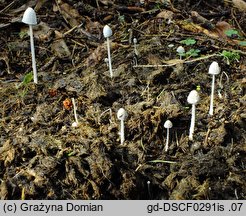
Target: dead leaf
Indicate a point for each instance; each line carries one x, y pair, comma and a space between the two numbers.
221, 28
43, 32
7, 153
70, 14
97, 55
93, 27
3, 190
192, 27
153, 59
165, 14
239, 4
60, 47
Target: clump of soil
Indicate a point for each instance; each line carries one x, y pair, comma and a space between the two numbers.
43, 157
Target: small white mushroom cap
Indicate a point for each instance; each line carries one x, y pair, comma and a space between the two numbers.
180, 50
193, 97
135, 40
121, 114
107, 31
29, 17
168, 124
214, 68
75, 124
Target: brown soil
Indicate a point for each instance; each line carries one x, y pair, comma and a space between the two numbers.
43, 157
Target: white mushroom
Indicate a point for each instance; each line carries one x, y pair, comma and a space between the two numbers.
106, 61
168, 124
30, 18
107, 32
180, 50
121, 115
75, 124
193, 98
214, 69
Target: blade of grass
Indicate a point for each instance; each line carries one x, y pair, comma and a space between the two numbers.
162, 161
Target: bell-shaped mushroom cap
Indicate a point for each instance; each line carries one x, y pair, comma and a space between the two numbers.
107, 31
121, 114
168, 124
29, 17
193, 97
214, 68
180, 50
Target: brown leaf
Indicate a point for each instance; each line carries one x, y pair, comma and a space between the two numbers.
7, 153
96, 56
165, 14
42, 31
101, 52
153, 59
221, 28
60, 47
239, 4
93, 27
3, 190
70, 14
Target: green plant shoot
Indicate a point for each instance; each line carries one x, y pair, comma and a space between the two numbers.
231, 32
188, 41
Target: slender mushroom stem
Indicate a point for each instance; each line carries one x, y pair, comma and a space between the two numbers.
122, 131
193, 99
192, 123
149, 190
167, 141
211, 109
34, 67
109, 58
74, 110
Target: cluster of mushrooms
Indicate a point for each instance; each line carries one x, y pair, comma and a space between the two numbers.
193, 98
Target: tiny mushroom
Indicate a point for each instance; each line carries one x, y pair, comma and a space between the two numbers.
107, 32
121, 115
168, 124
180, 50
106, 61
214, 69
193, 98
30, 18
